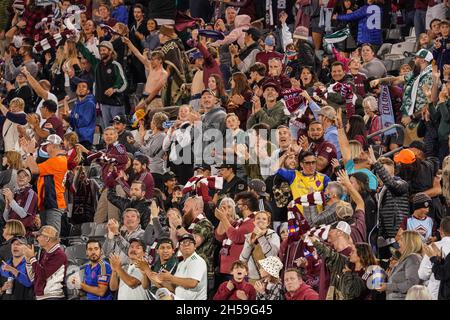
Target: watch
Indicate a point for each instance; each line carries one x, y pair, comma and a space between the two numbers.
179, 227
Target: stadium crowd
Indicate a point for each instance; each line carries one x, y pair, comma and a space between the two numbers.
225, 150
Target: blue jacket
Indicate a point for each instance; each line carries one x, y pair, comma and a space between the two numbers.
369, 25
22, 277
82, 118
442, 55
120, 13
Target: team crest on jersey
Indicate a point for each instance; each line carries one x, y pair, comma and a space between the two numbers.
240, 186
108, 71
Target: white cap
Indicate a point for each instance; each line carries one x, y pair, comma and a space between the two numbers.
344, 227
52, 139
425, 54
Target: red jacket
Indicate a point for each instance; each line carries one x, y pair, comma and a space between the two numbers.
304, 292
48, 273
224, 294
115, 151
238, 238
210, 66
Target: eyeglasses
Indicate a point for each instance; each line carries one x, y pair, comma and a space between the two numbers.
309, 162
186, 243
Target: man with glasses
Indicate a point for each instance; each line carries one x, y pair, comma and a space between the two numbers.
306, 181
190, 280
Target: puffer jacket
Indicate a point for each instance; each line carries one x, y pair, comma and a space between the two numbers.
369, 24
393, 202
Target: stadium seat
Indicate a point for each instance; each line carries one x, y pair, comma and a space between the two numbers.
397, 54
393, 34
76, 254
88, 229
100, 230
384, 49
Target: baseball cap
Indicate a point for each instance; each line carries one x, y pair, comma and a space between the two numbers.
328, 112
344, 227
270, 41
47, 231
26, 170
52, 139
255, 33
272, 84
169, 176
137, 116
425, 54
22, 240
186, 236
120, 119
106, 44
208, 91
344, 210
259, 187
226, 166
203, 166
405, 156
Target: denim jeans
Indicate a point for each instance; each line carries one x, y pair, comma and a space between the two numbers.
109, 112
52, 217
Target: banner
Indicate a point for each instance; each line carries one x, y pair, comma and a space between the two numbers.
386, 112
293, 99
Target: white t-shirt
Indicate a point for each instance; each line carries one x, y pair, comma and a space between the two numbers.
127, 293
195, 268
50, 96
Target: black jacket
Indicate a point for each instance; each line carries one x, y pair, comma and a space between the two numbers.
143, 206
393, 202
441, 270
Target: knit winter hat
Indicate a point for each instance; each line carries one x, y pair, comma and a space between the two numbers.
301, 32
421, 200
272, 265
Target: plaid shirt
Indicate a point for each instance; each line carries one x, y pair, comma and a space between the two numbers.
273, 292
32, 15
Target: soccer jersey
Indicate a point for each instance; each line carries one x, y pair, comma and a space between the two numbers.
423, 226
97, 276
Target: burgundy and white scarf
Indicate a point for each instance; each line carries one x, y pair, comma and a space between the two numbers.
226, 243
212, 182
346, 91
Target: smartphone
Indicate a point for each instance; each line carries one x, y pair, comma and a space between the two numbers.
168, 124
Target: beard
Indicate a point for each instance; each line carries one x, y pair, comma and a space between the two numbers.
416, 70
316, 141
187, 219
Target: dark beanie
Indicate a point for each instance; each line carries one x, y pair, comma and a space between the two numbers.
421, 200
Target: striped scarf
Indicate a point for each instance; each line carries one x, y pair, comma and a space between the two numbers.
226, 243
337, 36
212, 182
346, 91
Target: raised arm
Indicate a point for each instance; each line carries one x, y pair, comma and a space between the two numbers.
34, 84
136, 52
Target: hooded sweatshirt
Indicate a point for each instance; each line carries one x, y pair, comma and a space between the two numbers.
304, 292
82, 118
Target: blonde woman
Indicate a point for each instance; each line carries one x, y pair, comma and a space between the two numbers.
418, 292
263, 242
12, 161
13, 228
405, 273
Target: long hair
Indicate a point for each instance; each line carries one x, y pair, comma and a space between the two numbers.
240, 83
72, 141
357, 127
313, 79
14, 160
220, 91
59, 60
365, 254
413, 244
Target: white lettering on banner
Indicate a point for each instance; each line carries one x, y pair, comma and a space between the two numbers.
385, 109
374, 21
